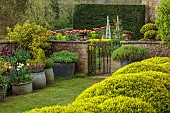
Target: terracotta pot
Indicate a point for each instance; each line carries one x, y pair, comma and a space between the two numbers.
49, 76
22, 88
39, 80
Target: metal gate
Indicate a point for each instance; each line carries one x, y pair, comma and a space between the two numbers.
99, 59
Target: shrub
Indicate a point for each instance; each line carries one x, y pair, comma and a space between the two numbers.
48, 63
140, 67
130, 52
89, 105
150, 35
159, 76
102, 104
150, 32
94, 41
59, 36
147, 27
122, 104
30, 35
157, 60
136, 85
64, 57
51, 109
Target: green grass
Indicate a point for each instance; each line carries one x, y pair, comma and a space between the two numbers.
62, 92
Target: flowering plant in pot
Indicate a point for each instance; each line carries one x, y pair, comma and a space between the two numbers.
17, 56
20, 75
36, 69
21, 79
64, 63
130, 54
35, 66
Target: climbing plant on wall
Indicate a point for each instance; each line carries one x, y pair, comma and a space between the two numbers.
163, 21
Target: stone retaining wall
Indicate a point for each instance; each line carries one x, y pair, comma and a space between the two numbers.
81, 49
155, 47
78, 47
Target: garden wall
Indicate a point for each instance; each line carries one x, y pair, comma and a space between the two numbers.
155, 47
79, 47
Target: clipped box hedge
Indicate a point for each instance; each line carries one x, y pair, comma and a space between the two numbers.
122, 104
159, 76
132, 85
140, 67
157, 60
88, 16
143, 91
101, 104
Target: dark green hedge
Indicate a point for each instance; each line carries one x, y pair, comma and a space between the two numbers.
88, 16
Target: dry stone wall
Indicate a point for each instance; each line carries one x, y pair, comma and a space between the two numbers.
78, 47
155, 47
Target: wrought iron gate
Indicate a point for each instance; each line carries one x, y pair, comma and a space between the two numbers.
99, 59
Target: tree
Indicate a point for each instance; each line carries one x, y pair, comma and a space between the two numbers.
67, 9
55, 7
43, 13
11, 12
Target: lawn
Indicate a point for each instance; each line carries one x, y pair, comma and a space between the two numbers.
62, 92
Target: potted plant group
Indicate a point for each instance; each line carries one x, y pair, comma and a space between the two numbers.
129, 53
64, 63
49, 71
20, 82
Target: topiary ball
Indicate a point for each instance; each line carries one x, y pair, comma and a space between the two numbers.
150, 35
147, 27
157, 60
140, 67
122, 104
136, 85
159, 76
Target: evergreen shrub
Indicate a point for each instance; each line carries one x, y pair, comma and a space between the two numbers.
157, 60
130, 53
64, 56
89, 16
147, 27
136, 85
101, 104
122, 104
159, 76
140, 67
144, 89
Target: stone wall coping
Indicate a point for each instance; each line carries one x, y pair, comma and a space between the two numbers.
55, 41
5, 42
140, 42
63, 41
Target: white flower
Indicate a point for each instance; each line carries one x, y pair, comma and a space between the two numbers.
20, 65
10, 67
